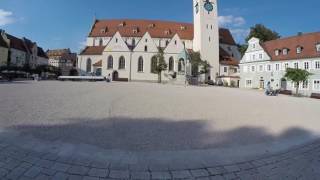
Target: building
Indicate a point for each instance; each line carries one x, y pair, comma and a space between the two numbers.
23, 52
4, 50
126, 49
267, 62
63, 59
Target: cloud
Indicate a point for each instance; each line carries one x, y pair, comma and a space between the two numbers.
6, 17
231, 21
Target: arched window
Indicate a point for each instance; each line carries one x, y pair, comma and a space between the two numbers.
89, 65
145, 48
140, 64
110, 62
154, 64
122, 63
100, 42
171, 64
181, 65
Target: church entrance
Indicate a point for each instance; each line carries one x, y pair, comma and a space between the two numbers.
115, 75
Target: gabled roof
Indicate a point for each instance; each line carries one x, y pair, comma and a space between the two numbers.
16, 43
93, 50
156, 28
308, 43
41, 53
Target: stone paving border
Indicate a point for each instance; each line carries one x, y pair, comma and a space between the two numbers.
21, 164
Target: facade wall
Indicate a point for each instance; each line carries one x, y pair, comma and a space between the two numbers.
3, 56
18, 58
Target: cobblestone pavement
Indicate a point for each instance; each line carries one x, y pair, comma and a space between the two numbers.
17, 163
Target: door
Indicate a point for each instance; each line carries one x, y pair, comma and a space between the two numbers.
115, 76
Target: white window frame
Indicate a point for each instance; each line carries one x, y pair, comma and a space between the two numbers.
261, 68
277, 52
294, 65
317, 65
306, 65
286, 66
253, 68
314, 85
318, 47
269, 67
302, 85
285, 51
261, 56
299, 50
246, 84
277, 67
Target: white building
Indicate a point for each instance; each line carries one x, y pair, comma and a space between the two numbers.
24, 52
63, 59
267, 62
126, 49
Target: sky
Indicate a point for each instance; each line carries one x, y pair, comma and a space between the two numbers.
66, 23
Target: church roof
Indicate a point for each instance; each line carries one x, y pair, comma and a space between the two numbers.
93, 50
98, 64
156, 28
226, 59
307, 41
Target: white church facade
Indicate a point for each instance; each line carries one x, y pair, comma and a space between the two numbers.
126, 49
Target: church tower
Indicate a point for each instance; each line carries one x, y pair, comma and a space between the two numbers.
206, 33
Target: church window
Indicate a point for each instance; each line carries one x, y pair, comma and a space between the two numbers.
154, 64
122, 63
167, 42
116, 40
140, 64
110, 62
180, 65
89, 64
146, 48
209, 39
171, 64
133, 42
317, 65
306, 65
175, 42
146, 40
318, 47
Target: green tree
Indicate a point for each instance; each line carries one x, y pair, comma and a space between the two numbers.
297, 76
263, 33
161, 65
197, 62
242, 48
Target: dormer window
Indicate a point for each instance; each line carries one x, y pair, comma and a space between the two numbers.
253, 46
299, 49
135, 30
122, 24
318, 47
277, 52
285, 51
183, 28
167, 32
151, 25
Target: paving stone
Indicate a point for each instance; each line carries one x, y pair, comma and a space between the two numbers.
51, 157
90, 178
160, 175
81, 162
136, 175
25, 178
16, 173
100, 164
78, 170
217, 170
199, 173
3, 172
33, 172
181, 174
98, 172
75, 177
245, 166
60, 176
43, 177
118, 174
31, 159
49, 172
45, 163
232, 168
60, 167
229, 176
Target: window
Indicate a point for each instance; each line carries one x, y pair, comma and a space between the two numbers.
253, 68
286, 66
89, 64
260, 56
175, 42
296, 65
245, 69
285, 51
171, 64
306, 65
116, 40
225, 69
180, 65
140, 64
122, 63
269, 67
277, 67
305, 85
154, 64
133, 42
316, 85
100, 42
110, 62
317, 65
261, 68
277, 52
145, 48
146, 40
318, 47
209, 39
253, 46
249, 83
299, 50
167, 42
253, 57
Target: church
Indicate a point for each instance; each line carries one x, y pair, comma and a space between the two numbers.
126, 49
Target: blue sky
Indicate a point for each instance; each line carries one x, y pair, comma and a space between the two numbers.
66, 23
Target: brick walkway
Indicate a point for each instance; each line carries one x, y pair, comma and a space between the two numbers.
16, 163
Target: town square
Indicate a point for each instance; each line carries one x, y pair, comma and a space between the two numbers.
211, 96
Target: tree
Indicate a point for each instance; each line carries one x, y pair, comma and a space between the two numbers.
297, 76
242, 48
196, 62
161, 65
263, 33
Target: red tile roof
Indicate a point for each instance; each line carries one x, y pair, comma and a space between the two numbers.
156, 28
308, 43
98, 64
226, 59
93, 50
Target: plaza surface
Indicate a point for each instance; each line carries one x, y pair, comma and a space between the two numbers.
151, 131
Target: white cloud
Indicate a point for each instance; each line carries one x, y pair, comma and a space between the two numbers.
6, 17
231, 21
